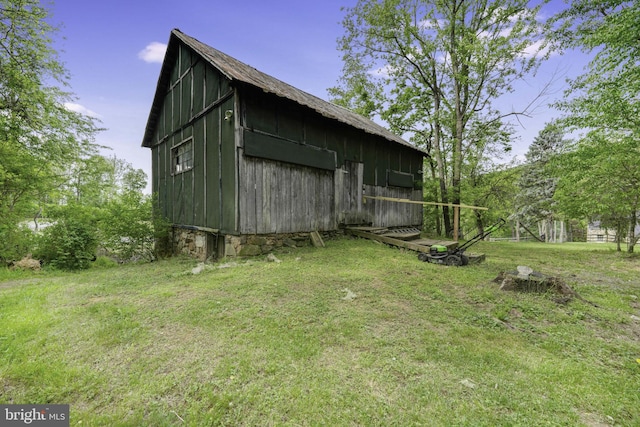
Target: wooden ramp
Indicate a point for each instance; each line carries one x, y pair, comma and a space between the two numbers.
408, 238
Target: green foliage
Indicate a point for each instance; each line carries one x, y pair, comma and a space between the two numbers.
601, 181
605, 97
537, 184
71, 242
104, 262
39, 137
433, 70
127, 228
17, 241
112, 190
494, 188
604, 101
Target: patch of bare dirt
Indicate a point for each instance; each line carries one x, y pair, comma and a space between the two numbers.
18, 282
594, 420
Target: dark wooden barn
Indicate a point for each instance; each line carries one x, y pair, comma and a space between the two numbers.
237, 153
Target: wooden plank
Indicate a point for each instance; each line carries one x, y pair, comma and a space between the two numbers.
368, 229
274, 148
316, 239
186, 97
285, 201
390, 241
199, 173
403, 235
228, 170
386, 214
329, 219
248, 196
267, 175
288, 198
198, 86
212, 169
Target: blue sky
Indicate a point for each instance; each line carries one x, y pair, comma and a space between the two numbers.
101, 44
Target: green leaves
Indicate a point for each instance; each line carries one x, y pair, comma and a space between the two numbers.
606, 96
39, 137
127, 226
601, 181
433, 71
602, 176
71, 242
535, 200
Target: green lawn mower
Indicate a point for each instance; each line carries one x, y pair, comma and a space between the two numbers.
440, 254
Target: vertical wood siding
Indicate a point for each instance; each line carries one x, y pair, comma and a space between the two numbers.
235, 193
278, 197
193, 106
393, 214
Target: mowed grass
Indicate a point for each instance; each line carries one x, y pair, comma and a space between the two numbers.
355, 334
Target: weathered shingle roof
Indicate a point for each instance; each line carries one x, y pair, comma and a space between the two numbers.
238, 71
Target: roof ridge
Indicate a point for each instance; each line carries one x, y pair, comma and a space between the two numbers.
237, 70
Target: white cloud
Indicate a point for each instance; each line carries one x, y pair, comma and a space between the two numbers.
537, 48
153, 53
81, 109
384, 71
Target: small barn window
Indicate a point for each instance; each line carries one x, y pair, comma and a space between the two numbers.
182, 156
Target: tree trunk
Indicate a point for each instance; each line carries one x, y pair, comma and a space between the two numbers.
619, 233
541, 234
632, 232
440, 165
460, 88
444, 197
479, 224
434, 177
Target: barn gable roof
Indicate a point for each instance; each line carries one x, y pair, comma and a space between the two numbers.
238, 71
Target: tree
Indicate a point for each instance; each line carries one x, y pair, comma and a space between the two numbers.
493, 186
535, 201
39, 137
103, 203
604, 102
71, 242
606, 96
128, 226
600, 180
434, 69
95, 180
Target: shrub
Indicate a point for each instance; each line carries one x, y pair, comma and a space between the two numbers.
126, 227
69, 244
17, 241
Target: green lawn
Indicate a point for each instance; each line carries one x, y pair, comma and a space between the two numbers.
355, 334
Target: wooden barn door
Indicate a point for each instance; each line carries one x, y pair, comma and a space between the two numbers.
349, 183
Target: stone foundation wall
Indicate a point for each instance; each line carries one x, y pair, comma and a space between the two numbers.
202, 244
259, 244
190, 242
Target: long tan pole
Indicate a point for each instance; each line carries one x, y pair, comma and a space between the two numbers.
418, 202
